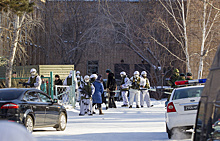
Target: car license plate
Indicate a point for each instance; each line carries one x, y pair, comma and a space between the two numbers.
191, 107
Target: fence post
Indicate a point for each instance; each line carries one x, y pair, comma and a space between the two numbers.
56, 91
51, 84
73, 88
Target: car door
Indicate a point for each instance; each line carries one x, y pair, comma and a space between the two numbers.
52, 109
37, 106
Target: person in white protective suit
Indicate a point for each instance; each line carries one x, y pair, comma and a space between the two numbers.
86, 91
11, 131
124, 87
135, 89
34, 80
68, 82
79, 82
144, 86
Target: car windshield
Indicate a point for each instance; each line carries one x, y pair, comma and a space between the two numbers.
187, 92
7, 94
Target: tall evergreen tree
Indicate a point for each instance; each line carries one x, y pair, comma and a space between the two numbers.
18, 8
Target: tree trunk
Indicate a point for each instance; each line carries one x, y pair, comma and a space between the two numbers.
203, 42
184, 16
13, 48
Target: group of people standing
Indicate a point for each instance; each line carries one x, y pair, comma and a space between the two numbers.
138, 86
91, 89
177, 76
89, 93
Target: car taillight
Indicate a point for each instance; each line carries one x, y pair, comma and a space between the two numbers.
170, 107
10, 106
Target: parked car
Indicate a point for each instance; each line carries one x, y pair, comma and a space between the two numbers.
32, 108
182, 108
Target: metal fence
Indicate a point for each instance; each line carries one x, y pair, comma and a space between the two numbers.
66, 94
58, 93
48, 81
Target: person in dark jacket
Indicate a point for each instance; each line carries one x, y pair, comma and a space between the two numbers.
189, 76
96, 97
58, 81
111, 86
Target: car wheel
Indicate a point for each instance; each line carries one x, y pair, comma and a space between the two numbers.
169, 132
61, 122
29, 123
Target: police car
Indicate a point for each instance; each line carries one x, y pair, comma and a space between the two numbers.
182, 106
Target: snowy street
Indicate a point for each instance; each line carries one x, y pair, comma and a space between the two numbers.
119, 124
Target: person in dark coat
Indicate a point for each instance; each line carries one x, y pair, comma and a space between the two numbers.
174, 77
96, 97
111, 86
189, 76
57, 80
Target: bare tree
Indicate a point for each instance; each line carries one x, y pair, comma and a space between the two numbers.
133, 27
208, 19
16, 21
178, 11
76, 30
205, 15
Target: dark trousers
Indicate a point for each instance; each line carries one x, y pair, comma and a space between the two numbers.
112, 100
99, 105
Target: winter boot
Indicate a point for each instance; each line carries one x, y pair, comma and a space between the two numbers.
100, 111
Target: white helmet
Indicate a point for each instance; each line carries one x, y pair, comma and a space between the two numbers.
94, 76
143, 73
71, 72
123, 73
86, 77
77, 72
136, 73
33, 70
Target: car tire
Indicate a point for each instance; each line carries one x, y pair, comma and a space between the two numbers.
62, 122
169, 132
29, 123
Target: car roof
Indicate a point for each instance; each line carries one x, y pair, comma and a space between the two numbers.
187, 87
20, 89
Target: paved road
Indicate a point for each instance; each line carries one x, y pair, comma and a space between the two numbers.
118, 124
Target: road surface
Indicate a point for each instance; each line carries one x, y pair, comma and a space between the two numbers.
117, 124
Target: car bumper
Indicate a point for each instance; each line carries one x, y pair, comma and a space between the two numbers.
12, 118
177, 120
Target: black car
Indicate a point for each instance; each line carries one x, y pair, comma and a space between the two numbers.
32, 108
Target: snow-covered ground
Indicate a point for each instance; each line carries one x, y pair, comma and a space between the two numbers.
117, 124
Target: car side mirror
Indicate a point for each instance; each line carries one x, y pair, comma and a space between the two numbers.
55, 100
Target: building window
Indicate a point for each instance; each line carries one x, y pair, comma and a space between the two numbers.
93, 67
